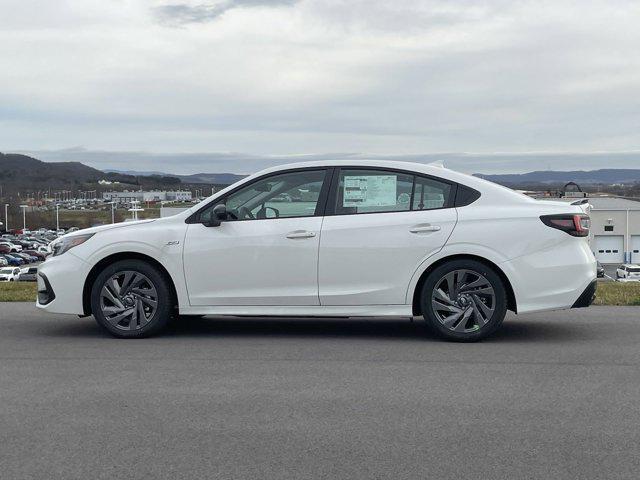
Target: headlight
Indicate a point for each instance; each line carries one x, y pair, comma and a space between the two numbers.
64, 244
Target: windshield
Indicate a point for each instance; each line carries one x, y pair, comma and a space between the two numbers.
6, 270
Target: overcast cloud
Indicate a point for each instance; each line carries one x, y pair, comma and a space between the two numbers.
168, 85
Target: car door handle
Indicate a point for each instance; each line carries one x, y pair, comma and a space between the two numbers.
424, 228
300, 234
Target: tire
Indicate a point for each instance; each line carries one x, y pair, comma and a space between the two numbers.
477, 296
132, 299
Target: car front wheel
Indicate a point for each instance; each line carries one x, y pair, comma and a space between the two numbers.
464, 300
131, 299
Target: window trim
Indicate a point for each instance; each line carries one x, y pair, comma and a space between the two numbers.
320, 206
330, 210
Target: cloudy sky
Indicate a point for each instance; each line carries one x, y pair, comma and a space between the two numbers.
233, 85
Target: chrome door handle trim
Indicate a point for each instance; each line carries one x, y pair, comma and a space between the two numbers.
300, 234
425, 228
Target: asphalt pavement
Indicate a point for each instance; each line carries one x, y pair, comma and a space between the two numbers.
552, 396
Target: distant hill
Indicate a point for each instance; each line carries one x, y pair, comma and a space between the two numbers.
212, 178
208, 178
135, 173
605, 176
21, 173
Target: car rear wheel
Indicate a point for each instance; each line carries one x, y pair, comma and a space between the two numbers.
132, 299
464, 300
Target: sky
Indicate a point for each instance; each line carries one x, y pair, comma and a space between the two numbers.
186, 86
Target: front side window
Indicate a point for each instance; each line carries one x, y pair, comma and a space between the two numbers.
286, 195
378, 191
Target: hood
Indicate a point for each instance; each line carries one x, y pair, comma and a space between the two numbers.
102, 228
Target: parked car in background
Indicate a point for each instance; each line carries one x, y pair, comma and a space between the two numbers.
628, 272
13, 247
369, 238
600, 270
9, 274
13, 260
3, 261
28, 274
26, 258
4, 249
40, 256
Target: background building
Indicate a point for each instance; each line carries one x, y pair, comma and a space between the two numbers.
148, 196
615, 228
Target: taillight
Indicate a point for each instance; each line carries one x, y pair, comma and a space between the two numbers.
574, 224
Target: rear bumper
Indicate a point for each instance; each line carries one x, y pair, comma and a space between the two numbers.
587, 297
555, 278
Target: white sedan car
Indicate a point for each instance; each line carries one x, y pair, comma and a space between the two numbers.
9, 274
358, 238
628, 272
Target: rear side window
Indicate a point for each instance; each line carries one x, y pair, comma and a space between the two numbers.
430, 194
379, 191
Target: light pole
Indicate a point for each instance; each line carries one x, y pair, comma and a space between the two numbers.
57, 217
6, 217
24, 217
113, 214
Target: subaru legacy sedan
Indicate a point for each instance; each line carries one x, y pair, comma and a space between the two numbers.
332, 239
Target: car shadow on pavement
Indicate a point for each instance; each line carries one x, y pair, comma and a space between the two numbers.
398, 329
513, 330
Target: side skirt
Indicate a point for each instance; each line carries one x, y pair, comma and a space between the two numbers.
302, 311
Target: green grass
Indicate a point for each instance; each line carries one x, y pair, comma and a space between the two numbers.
18, 291
617, 293
609, 293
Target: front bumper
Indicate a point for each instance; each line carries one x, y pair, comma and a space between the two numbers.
46, 294
61, 282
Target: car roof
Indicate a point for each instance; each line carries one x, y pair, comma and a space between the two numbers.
632, 265
489, 190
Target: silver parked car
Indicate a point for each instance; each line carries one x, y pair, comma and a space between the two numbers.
28, 274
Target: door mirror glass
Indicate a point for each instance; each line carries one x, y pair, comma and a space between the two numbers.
218, 215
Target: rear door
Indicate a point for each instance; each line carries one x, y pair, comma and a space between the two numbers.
380, 226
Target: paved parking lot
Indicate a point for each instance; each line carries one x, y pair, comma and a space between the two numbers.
610, 272
553, 396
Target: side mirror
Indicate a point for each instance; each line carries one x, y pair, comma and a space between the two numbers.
218, 214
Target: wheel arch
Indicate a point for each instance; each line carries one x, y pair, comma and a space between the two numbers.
511, 298
116, 257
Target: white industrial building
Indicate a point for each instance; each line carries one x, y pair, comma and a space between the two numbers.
149, 196
615, 228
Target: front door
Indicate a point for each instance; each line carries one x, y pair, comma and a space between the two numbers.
266, 252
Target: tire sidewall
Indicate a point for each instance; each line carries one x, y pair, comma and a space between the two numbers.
165, 298
499, 290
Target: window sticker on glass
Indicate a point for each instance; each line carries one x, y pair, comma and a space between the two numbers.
369, 190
